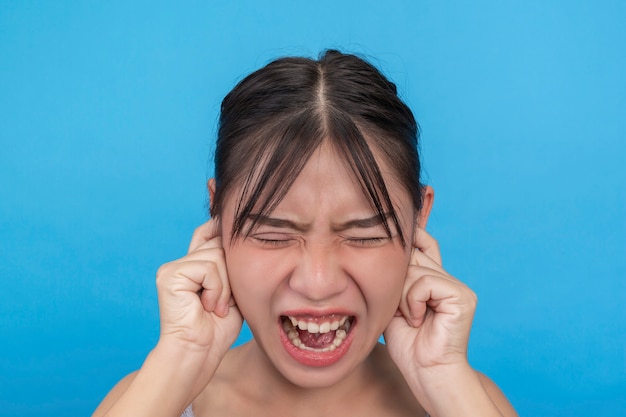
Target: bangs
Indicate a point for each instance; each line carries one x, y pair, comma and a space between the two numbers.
288, 146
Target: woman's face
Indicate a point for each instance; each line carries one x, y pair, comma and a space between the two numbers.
319, 280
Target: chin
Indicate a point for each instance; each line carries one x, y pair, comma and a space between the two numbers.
319, 367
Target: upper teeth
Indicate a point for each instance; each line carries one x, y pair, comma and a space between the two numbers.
317, 327
340, 326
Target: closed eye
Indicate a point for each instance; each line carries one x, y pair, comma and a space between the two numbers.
271, 242
368, 242
272, 239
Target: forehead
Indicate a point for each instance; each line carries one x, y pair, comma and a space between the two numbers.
330, 181
325, 184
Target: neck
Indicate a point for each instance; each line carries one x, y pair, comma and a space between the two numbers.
269, 383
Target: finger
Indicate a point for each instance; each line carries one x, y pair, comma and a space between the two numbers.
397, 322
427, 244
203, 234
225, 299
419, 258
206, 278
205, 250
211, 290
212, 251
191, 275
414, 308
219, 295
426, 266
441, 294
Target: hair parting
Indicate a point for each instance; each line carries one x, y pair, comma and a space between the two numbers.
275, 118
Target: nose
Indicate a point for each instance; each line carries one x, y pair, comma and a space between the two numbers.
319, 275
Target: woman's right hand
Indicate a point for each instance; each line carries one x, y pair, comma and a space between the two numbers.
196, 307
199, 323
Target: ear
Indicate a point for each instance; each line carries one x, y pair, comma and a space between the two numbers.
427, 204
210, 184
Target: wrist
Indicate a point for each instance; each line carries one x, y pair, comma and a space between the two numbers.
169, 379
452, 390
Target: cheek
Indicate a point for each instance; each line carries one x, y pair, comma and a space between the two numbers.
246, 282
257, 276
252, 273
380, 274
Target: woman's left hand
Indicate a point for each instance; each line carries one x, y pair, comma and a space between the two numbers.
431, 328
427, 339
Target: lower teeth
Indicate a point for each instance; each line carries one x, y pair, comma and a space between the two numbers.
340, 335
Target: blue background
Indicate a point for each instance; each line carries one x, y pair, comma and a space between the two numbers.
107, 118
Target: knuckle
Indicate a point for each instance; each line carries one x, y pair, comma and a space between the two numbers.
472, 296
198, 230
163, 271
427, 280
212, 268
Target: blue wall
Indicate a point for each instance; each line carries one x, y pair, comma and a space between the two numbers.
107, 117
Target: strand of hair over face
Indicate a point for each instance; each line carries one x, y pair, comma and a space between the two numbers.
274, 119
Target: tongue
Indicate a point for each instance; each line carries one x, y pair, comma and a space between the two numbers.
316, 340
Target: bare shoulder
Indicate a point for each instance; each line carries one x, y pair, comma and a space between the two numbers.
228, 392
497, 396
113, 395
390, 387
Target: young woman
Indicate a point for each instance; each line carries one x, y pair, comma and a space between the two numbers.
317, 240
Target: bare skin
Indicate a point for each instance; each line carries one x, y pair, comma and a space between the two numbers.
383, 392
230, 395
424, 312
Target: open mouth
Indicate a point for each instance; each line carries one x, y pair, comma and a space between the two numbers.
317, 334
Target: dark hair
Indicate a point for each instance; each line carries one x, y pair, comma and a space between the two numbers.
276, 117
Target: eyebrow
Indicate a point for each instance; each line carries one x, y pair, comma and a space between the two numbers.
263, 220
369, 222
366, 223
